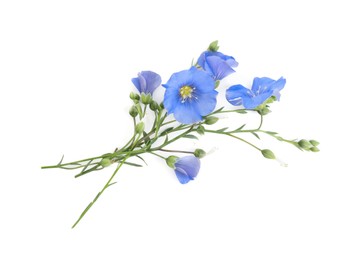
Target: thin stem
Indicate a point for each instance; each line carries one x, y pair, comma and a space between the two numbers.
236, 137
174, 151
156, 154
103, 189
169, 122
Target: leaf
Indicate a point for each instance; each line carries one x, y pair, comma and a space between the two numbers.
141, 159
255, 134
191, 137
166, 131
271, 133
61, 159
222, 130
239, 129
241, 111
133, 164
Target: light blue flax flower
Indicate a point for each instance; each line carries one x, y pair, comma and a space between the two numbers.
187, 168
217, 64
190, 95
262, 89
147, 82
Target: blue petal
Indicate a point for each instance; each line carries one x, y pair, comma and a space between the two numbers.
219, 68
251, 103
261, 85
201, 80
278, 86
183, 178
187, 168
137, 84
152, 81
235, 94
171, 98
187, 112
206, 102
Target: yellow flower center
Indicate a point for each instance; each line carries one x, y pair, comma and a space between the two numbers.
186, 92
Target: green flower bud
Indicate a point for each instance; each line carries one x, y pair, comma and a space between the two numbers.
133, 111
199, 153
211, 120
213, 46
105, 162
146, 98
162, 106
140, 127
171, 160
200, 129
134, 96
153, 105
305, 144
314, 149
268, 154
314, 142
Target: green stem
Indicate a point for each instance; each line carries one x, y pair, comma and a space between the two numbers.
156, 154
174, 151
236, 137
108, 184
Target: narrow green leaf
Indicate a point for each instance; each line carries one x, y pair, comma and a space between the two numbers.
61, 159
255, 134
240, 111
191, 137
141, 159
239, 129
271, 133
222, 129
164, 132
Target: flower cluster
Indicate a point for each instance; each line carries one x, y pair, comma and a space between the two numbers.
188, 110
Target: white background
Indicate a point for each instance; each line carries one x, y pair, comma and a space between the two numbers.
65, 70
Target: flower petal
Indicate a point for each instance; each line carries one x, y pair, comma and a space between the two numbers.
152, 81
187, 168
187, 112
237, 93
206, 102
137, 84
219, 68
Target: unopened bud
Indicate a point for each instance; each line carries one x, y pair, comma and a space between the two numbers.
305, 144
314, 142
133, 111
199, 153
314, 149
268, 154
105, 162
134, 96
211, 120
140, 127
213, 46
153, 105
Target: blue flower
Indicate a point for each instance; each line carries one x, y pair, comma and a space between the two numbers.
187, 168
190, 95
217, 64
262, 89
147, 82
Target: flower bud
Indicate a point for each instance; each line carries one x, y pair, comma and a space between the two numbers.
171, 160
305, 144
140, 127
146, 98
153, 105
134, 96
199, 153
211, 120
133, 111
268, 154
200, 129
314, 149
105, 162
213, 46
314, 142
